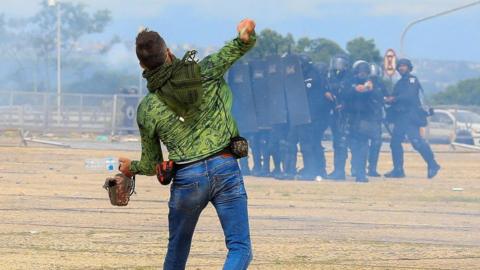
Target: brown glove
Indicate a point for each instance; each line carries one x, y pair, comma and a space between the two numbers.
120, 188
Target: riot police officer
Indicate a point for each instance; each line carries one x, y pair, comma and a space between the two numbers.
310, 135
375, 141
338, 80
361, 99
408, 116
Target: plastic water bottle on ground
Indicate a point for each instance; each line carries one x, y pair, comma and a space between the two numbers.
102, 164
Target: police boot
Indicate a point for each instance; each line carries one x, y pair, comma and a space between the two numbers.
320, 164
257, 166
276, 173
264, 171
286, 176
277, 163
289, 167
246, 172
395, 173
433, 170
337, 176
361, 179
322, 174
256, 171
353, 172
303, 175
373, 173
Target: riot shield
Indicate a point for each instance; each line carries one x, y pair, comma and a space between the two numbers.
276, 91
296, 95
243, 102
258, 70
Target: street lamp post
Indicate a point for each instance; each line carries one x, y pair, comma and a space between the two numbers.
411, 24
56, 3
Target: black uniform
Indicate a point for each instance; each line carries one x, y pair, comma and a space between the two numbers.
375, 140
408, 116
310, 135
363, 118
338, 84
261, 153
280, 148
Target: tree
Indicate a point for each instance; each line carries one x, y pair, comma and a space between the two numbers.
106, 81
76, 22
270, 42
466, 92
363, 49
32, 41
320, 49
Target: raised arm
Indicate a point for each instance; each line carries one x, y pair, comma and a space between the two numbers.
216, 65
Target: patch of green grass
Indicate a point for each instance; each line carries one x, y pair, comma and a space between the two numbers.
457, 198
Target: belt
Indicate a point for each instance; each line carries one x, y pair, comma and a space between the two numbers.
224, 152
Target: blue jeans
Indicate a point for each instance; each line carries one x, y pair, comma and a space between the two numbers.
217, 180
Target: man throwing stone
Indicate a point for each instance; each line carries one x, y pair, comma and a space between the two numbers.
188, 108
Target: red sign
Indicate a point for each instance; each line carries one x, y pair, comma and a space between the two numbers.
390, 62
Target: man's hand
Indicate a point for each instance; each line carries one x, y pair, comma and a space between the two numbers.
125, 166
360, 88
389, 99
329, 96
369, 85
245, 28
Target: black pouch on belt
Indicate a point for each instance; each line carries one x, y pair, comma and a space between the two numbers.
239, 147
165, 172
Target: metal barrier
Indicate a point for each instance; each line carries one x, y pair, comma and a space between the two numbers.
77, 113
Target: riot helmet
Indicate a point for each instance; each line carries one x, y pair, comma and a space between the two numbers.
376, 70
340, 63
361, 69
404, 62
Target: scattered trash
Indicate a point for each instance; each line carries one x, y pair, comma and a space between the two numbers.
457, 189
102, 164
33, 232
467, 146
101, 138
318, 178
59, 144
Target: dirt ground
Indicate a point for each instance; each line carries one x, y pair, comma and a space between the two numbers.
55, 215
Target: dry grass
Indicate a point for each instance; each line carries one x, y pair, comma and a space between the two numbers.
55, 215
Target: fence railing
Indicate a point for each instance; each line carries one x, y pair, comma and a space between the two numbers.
77, 112
115, 114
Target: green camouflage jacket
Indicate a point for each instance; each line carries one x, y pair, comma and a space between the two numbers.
211, 129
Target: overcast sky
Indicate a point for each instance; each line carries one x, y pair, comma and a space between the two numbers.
211, 22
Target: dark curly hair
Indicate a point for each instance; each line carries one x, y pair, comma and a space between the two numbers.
151, 49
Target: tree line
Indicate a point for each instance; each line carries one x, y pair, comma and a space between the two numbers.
28, 46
